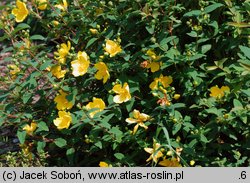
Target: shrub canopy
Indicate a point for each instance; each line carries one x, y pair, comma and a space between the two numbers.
128, 82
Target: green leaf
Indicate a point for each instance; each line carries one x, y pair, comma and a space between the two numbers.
206, 48
70, 151
245, 50
203, 138
212, 7
45, 65
164, 42
26, 97
98, 144
176, 128
76, 38
215, 25
130, 104
37, 37
167, 135
70, 155
20, 27
117, 132
192, 34
150, 29
60, 142
239, 24
5, 36
118, 113
21, 136
211, 68
179, 105
40, 146
3, 96
196, 57
232, 136
119, 156
90, 42
1, 121
3, 7
193, 143
192, 13
105, 121
237, 104
244, 118
213, 110
42, 126
246, 92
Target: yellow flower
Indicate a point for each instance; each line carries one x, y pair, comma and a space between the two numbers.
62, 52
97, 104
61, 101
81, 65
165, 81
104, 164
30, 128
57, 71
14, 69
42, 4
217, 92
112, 48
63, 6
139, 118
63, 121
21, 12
123, 93
152, 63
102, 72
170, 163
153, 55
155, 152
154, 66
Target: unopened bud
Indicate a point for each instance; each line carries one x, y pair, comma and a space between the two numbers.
192, 162
93, 31
55, 23
177, 96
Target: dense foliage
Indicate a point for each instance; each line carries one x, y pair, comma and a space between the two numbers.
128, 82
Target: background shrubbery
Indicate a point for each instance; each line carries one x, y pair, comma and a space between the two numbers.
128, 82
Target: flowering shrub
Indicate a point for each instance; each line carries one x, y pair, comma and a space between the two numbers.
128, 83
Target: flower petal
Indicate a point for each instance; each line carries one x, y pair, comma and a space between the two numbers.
117, 99
143, 125
131, 120
149, 150
155, 66
117, 88
135, 129
136, 114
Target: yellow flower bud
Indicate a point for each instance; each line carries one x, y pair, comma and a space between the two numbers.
42, 4
225, 116
177, 96
55, 23
93, 31
192, 162
178, 139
